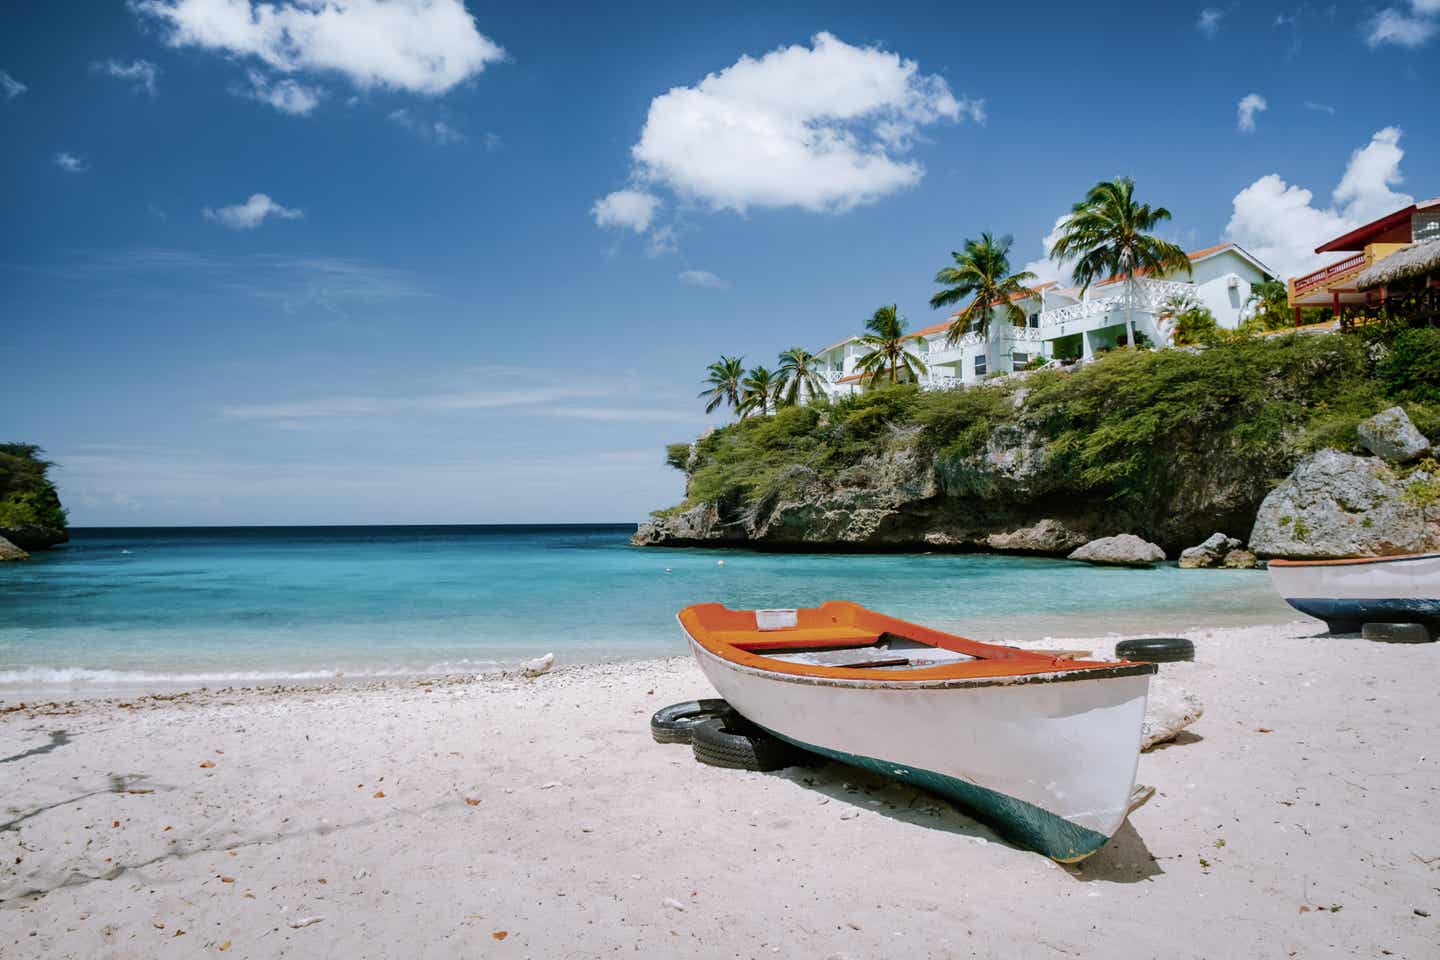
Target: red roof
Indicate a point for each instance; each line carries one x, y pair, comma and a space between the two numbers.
1193, 255
1357, 238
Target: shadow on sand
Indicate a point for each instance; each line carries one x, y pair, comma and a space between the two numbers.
1125, 859
58, 738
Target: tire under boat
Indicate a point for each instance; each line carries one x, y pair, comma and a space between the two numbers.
1042, 749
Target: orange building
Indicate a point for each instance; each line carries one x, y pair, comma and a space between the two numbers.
1335, 286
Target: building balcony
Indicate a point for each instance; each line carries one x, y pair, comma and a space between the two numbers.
1334, 284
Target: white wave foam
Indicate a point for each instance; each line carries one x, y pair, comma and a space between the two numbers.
39, 678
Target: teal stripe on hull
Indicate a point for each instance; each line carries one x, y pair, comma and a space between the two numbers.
1023, 824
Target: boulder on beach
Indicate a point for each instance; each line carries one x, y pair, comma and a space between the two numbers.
1240, 560
1339, 505
1391, 435
1124, 550
1168, 710
1218, 550
1208, 554
538, 666
8, 551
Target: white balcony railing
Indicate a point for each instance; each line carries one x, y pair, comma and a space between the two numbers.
1150, 297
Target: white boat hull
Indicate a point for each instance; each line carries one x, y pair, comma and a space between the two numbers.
1049, 760
1347, 594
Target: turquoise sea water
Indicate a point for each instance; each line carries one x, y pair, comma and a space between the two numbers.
147, 608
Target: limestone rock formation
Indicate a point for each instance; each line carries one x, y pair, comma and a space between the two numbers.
1044, 537
1208, 554
1391, 435
1338, 505
34, 537
8, 551
1218, 551
1124, 550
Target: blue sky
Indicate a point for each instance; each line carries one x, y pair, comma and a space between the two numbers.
426, 262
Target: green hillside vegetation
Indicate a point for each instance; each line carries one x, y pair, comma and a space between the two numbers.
1133, 426
27, 497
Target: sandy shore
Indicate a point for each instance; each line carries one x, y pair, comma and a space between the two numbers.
1300, 817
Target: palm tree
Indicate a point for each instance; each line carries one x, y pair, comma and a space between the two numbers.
1107, 235
982, 273
888, 350
758, 391
1269, 305
799, 380
723, 379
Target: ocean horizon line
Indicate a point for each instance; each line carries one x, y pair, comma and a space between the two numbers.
510, 524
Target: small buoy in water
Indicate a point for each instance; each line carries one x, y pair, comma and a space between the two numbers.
719, 563
667, 569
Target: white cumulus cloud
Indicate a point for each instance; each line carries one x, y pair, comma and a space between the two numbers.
418, 46
1209, 21
140, 74
1404, 28
1250, 104
11, 87
822, 128
69, 162
629, 208
701, 278
1046, 269
251, 213
1279, 223
287, 96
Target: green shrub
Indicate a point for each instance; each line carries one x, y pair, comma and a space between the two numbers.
1411, 368
677, 455
27, 497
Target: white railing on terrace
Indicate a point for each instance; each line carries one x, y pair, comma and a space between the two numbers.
1150, 297
998, 331
938, 382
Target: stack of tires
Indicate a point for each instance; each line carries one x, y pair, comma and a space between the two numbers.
721, 737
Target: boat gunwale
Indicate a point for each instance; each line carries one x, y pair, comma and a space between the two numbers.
1024, 666
893, 681
1354, 561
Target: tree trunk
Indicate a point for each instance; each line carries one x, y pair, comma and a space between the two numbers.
1129, 313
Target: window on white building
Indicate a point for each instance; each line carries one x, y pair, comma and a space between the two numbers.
1034, 319
979, 364
1018, 359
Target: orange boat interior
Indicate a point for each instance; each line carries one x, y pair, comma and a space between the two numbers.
844, 640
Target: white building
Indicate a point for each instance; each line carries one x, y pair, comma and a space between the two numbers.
1061, 324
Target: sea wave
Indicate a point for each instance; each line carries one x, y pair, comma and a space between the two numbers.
34, 677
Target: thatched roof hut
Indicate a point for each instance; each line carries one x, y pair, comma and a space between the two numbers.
1416, 261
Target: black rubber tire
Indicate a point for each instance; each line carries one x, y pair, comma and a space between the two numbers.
1155, 649
730, 742
1397, 632
672, 724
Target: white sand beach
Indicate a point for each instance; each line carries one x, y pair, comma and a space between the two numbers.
497, 816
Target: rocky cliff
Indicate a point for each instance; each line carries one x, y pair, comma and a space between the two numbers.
1170, 446
1010, 497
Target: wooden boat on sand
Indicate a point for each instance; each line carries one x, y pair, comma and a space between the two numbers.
1041, 748
1349, 593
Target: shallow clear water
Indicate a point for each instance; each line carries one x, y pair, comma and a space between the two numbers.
155, 607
